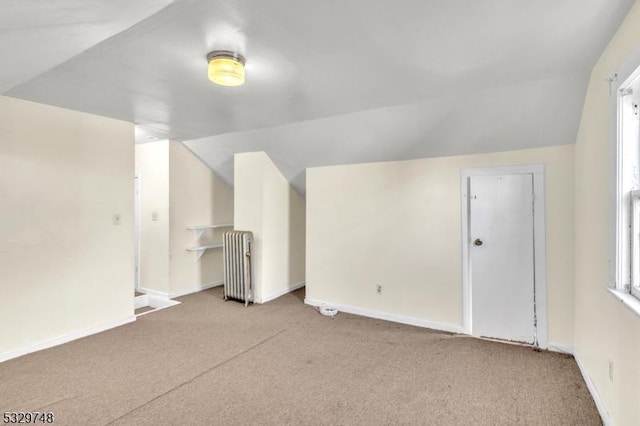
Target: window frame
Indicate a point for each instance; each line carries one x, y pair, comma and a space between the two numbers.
634, 285
625, 202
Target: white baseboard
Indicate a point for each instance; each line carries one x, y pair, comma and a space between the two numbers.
389, 317
153, 292
282, 292
569, 350
196, 289
65, 338
602, 409
140, 301
554, 347
161, 302
154, 302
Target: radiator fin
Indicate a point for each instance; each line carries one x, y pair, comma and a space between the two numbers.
236, 254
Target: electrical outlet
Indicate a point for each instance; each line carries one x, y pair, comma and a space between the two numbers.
379, 288
611, 371
117, 219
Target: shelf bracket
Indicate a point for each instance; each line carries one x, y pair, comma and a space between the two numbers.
199, 254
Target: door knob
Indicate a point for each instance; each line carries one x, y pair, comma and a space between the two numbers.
478, 242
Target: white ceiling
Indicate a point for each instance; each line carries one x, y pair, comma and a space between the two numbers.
36, 36
328, 82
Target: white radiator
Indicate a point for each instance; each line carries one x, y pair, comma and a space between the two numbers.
236, 254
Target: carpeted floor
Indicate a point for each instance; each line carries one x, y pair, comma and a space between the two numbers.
210, 362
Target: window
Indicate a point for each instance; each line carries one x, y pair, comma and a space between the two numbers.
628, 184
635, 242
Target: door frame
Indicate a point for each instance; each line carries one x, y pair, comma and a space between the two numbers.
136, 230
539, 241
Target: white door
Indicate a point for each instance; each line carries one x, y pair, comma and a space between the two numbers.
502, 257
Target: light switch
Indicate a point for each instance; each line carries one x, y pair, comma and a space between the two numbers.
154, 216
116, 219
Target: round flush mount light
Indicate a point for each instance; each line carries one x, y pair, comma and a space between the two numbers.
226, 68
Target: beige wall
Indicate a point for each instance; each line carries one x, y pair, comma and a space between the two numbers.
64, 266
297, 237
267, 205
605, 330
197, 197
399, 224
184, 192
152, 169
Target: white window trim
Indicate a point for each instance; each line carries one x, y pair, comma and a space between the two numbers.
618, 269
635, 230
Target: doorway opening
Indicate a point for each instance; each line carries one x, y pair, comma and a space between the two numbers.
136, 237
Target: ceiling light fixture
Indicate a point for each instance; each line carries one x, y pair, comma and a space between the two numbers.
226, 68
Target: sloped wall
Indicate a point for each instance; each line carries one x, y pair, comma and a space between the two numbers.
197, 197
178, 190
604, 329
267, 205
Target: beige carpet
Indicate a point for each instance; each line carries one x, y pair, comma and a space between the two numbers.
210, 362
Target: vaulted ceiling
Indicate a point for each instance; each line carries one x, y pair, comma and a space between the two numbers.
328, 82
